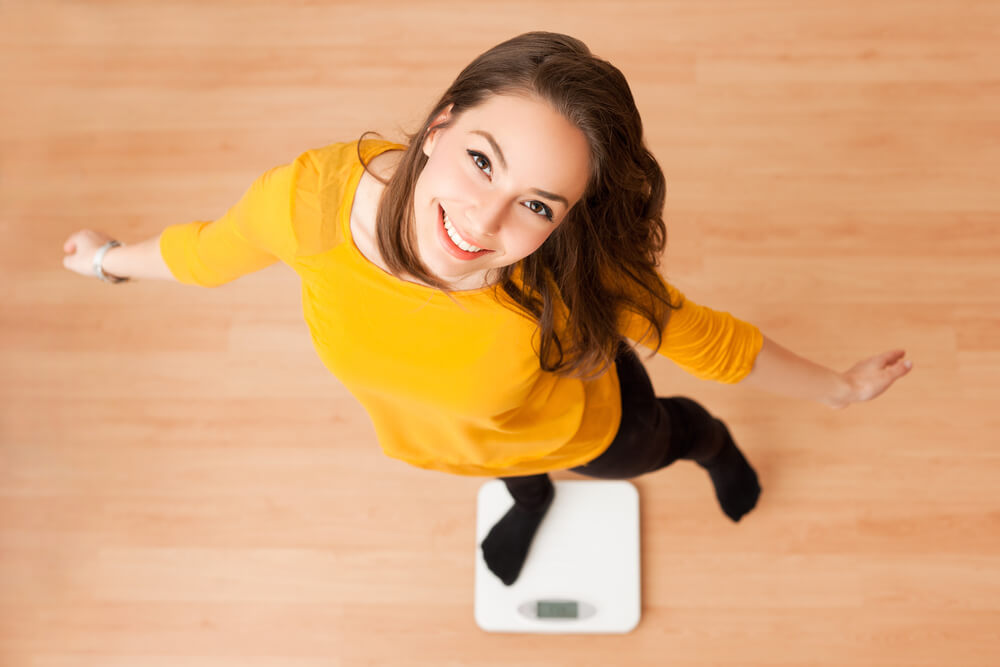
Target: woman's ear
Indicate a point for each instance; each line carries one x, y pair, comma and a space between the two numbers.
435, 131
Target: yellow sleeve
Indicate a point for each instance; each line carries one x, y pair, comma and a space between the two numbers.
255, 233
709, 344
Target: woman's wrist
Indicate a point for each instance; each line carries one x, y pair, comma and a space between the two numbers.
841, 394
105, 265
137, 261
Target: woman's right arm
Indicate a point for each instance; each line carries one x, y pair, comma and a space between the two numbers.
255, 233
142, 261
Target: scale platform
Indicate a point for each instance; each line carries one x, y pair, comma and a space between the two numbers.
582, 571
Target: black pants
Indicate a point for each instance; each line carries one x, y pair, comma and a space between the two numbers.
654, 432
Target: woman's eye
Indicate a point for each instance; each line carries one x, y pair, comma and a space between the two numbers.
542, 208
481, 162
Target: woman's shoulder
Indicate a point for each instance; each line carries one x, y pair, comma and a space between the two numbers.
323, 179
367, 195
383, 164
379, 168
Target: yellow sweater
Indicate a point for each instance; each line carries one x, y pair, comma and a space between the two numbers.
449, 387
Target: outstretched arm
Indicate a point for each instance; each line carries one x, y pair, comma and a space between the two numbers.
781, 371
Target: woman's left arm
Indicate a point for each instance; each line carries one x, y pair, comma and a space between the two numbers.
781, 371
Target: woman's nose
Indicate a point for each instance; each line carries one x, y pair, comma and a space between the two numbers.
486, 218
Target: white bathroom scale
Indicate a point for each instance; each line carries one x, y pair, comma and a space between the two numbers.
582, 571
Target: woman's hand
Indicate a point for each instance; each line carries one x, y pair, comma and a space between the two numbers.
80, 249
871, 377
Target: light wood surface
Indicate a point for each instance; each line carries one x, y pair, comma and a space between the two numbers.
183, 484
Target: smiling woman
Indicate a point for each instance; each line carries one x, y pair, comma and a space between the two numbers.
474, 289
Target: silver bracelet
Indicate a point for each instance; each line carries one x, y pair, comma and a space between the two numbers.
99, 258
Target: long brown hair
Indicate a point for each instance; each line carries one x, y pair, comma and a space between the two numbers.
601, 262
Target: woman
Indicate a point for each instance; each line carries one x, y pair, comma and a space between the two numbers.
475, 288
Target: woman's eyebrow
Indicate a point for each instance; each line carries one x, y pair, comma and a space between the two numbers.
503, 163
494, 144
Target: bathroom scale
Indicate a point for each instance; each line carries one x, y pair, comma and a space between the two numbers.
581, 575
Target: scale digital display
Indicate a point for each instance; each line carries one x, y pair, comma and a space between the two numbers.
557, 609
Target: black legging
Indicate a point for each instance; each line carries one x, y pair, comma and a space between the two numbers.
654, 432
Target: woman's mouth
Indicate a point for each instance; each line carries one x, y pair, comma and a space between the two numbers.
453, 242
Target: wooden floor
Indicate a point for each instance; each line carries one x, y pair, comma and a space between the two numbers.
183, 484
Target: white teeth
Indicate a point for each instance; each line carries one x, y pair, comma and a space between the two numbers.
468, 247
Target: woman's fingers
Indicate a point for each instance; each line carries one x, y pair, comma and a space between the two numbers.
79, 249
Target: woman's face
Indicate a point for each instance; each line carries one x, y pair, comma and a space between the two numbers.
505, 174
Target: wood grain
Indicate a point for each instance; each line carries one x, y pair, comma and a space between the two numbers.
183, 484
